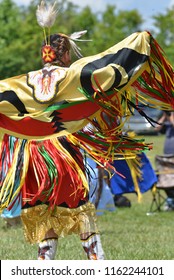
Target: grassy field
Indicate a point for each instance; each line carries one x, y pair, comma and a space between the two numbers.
127, 233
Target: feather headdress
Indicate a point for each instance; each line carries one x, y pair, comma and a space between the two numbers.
46, 15
75, 37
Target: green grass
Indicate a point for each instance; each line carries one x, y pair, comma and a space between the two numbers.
127, 233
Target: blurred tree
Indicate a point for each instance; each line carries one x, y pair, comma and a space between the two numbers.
114, 26
86, 20
10, 38
21, 37
164, 24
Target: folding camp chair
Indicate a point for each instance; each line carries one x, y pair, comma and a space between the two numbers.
165, 174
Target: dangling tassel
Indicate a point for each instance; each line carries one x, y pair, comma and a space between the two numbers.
14, 177
134, 167
51, 161
157, 82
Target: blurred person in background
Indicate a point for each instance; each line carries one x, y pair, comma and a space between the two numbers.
166, 126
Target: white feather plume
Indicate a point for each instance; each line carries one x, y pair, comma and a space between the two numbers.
76, 35
46, 14
75, 49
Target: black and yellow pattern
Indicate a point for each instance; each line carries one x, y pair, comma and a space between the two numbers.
54, 102
77, 93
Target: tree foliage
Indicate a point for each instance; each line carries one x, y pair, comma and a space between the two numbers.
165, 32
21, 37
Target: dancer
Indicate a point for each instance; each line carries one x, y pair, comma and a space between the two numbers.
53, 105
72, 212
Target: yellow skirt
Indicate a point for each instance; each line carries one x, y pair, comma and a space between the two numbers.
65, 221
